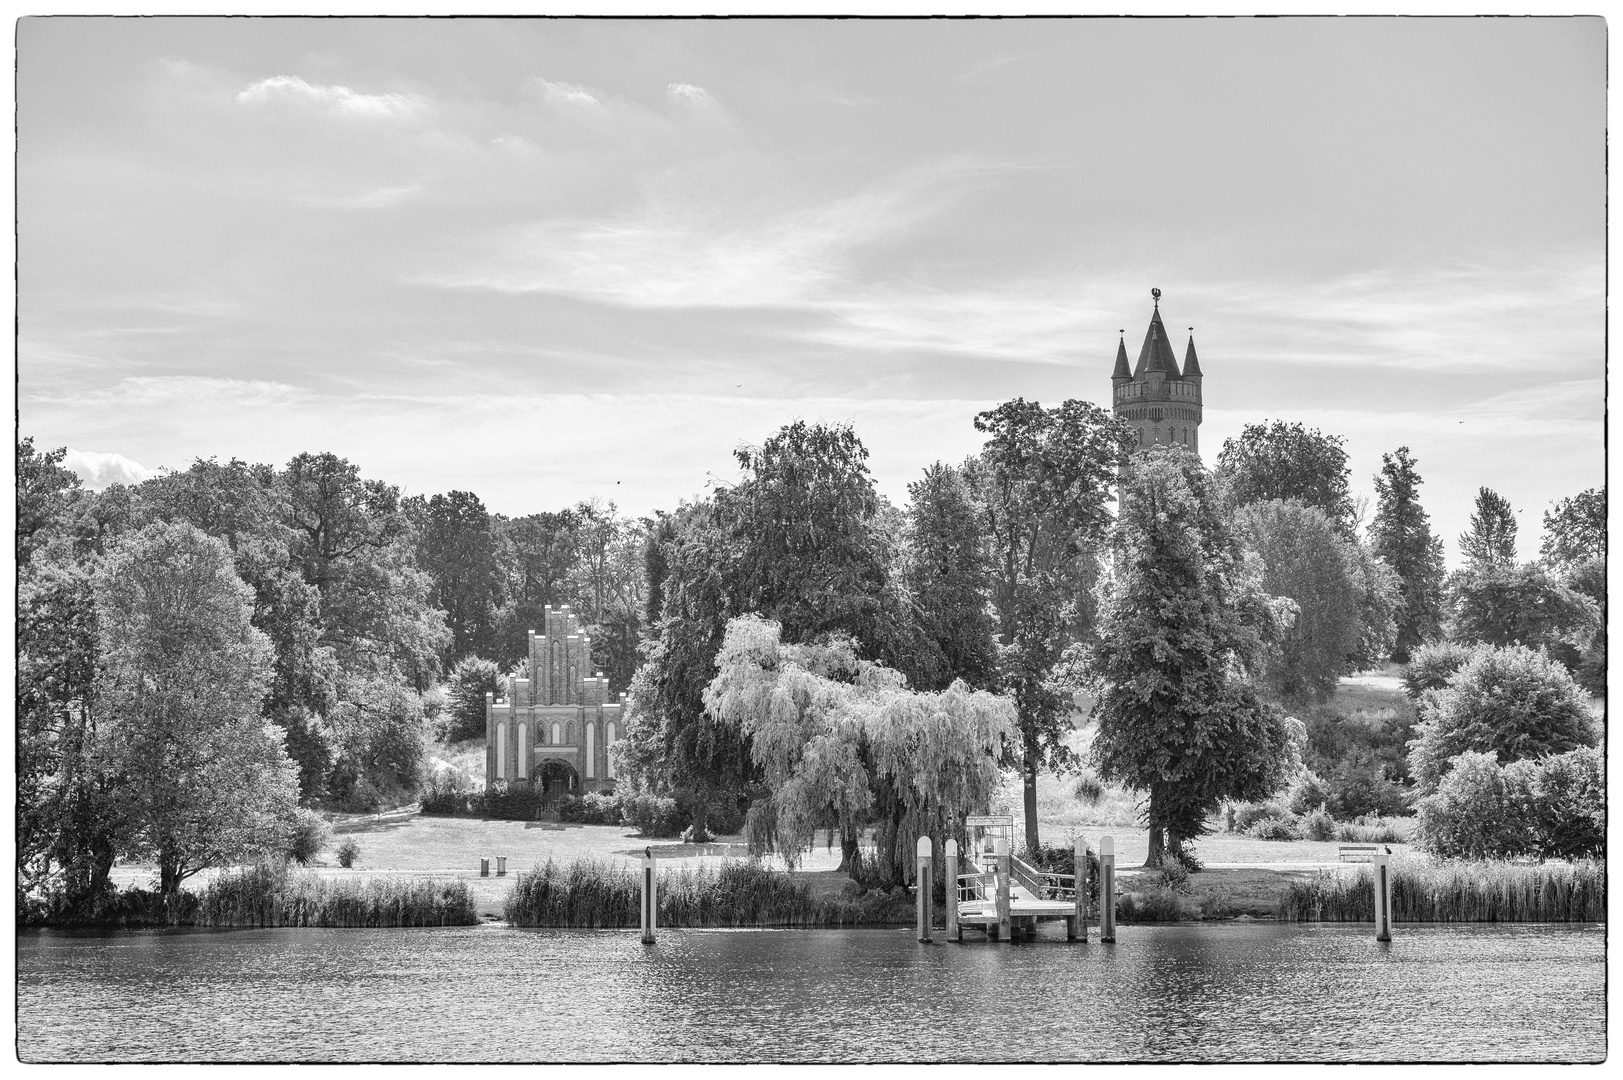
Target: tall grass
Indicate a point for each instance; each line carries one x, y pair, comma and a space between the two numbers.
596, 895
272, 896
1456, 892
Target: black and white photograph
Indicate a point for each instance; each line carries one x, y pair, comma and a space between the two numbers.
668, 540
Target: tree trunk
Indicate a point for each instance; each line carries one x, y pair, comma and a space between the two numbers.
701, 817
1028, 776
850, 853
1157, 833
168, 875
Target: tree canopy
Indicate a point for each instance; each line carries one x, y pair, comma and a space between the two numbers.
841, 742
1185, 630
1288, 462
1575, 529
1491, 539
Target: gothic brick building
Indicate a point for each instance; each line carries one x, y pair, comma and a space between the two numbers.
1157, 398
556, 726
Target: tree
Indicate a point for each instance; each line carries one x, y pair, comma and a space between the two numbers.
1288, 461
944, 569
471, 679
1575, 529
200, 778
1184, 631
1400, 534
1304, 559
457, 548
1549, 808
1513, 702
842, 742
1041, 482
1380, 601
44, 490
537, 554
1491, 539
1518, 605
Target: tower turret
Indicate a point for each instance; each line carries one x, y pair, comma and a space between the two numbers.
1158, 399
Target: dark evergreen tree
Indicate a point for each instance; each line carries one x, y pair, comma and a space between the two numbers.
1491, 539
1400, 534
457, 547
944, 569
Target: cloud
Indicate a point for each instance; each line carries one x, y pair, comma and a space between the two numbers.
696, 95
562, 93
338, 99
99, 470
376, 199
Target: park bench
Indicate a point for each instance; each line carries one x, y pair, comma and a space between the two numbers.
1359, 852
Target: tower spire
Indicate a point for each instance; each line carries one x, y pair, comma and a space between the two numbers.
1191, 363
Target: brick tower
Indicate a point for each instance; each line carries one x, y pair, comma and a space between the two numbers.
1158, 399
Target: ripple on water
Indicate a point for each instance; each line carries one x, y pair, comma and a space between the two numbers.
1198, 992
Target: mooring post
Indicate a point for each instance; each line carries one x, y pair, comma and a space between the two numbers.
949, 861
650, 902
501, 866
1107, 889
484, 866
1383, 896
926, 883
1079, 921
1005, 931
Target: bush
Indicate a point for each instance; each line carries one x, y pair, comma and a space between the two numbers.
653, 815
445, 796
348, 852
1357, 789
1551, 808
1564, 800
1368, 830
1062, 860
1285, 828
1089, 790
1249, 814
310, 834
1172, 875
517, 801
1308, 793
1432, 665
1319, 825
1513, 703
589, 809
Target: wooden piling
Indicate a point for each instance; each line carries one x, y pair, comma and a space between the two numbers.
1079, 922
1107, 888
1383, 896
925, 884
1005, 931
650, 901
949, 859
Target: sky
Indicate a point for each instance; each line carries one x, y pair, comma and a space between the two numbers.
548, 260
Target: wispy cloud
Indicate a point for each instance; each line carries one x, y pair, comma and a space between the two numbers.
98, 470
562, 93
336, 99
376, 199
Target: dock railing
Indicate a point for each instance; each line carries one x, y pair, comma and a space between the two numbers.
977, 886
1041, 883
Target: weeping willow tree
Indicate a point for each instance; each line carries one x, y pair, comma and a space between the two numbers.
843, 744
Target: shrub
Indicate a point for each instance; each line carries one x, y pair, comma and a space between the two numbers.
1370, 831
310, 834
445, 796
1319, 825
348, 852
1553, 808
653, 815
1089, 790
1172, 875
1249, 814
1052, 859
592, 808
1308, 793
517, 801
1357, 789
1432, 665
1285, 828
1563, 798
1513, 703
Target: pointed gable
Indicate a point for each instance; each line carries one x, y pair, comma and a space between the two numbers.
1191, 363
1156, 355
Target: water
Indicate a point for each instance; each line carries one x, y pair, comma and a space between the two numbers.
492, 993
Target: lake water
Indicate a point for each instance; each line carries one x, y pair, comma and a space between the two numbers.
1211, 992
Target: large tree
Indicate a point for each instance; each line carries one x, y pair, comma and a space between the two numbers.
946, 575
200, 777
1518, 605
1400, 533
1041, 483
1491, 539
1306, 560
842, 743
1575, 529
1288, 461
457, 547
1185, 630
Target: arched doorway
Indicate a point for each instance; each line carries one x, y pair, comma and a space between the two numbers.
557, 778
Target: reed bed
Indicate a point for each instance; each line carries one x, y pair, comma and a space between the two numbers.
272, 896
589, 894
1456, 892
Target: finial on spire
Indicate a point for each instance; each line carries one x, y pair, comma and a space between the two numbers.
1156, 293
